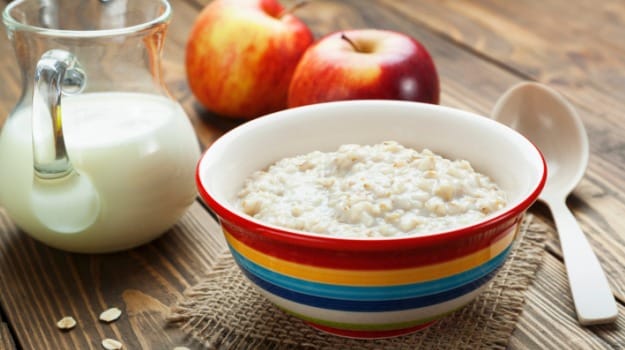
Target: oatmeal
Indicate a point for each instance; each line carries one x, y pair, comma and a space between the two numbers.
381, 190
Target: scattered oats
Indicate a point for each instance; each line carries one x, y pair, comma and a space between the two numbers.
110, 315
66, 323
111, 344
181, 348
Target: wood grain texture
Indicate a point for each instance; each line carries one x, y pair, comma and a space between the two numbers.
478, 62
548, 301
480, 47
41, 285
6, 338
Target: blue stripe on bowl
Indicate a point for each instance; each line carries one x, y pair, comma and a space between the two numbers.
374, 292
367, 305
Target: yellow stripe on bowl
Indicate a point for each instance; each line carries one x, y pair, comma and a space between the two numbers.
372, 277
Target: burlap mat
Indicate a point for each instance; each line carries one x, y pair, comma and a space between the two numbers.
224, 311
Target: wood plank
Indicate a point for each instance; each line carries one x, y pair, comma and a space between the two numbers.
470, 82
40, 285
548, 300
6, 338
146, 280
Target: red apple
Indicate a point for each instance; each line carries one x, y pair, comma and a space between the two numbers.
241, 55
364, 64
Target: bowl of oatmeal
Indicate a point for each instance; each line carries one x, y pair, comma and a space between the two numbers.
370, 219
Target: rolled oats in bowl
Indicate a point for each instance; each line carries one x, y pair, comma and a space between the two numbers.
381, 190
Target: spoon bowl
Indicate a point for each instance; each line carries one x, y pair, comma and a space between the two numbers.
552, 124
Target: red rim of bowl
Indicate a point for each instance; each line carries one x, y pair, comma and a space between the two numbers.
371, 244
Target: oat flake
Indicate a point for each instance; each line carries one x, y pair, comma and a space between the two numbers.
111, 344
66, 323
110, 315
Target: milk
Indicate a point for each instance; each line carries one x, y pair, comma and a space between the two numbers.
138, 150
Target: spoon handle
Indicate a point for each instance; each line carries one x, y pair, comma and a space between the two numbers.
591, 292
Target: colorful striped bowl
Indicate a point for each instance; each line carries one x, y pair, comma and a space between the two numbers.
363, 287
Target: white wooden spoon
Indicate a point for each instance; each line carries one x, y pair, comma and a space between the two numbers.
553, 125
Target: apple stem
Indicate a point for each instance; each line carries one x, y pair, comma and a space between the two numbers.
353, 44
292, 8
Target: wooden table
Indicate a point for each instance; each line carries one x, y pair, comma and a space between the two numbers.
481, 48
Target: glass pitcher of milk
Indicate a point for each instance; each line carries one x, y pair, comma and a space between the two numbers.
96, 156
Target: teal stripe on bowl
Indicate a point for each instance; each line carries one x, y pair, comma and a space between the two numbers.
371, 293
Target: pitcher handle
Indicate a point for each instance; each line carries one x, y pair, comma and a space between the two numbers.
57, 73
64, 200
